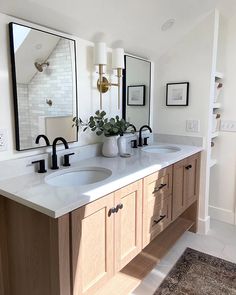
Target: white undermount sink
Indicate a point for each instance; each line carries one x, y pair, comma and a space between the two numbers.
78, 176
161, 149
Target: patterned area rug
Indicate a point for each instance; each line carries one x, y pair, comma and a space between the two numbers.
196, 273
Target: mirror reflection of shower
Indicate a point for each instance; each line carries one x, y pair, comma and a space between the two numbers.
41, 66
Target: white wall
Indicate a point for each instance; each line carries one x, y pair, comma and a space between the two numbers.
88, 94
223, 175
189, 60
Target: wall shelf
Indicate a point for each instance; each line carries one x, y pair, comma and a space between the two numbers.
214, 134
216, 105
219, 76
213, 162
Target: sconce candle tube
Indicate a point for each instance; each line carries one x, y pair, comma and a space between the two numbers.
118, 58
100, 53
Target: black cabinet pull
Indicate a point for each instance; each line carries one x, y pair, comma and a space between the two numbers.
188, 167
156, 189
119, 207
111, 211
160, 219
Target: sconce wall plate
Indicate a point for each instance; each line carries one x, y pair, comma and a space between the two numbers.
104, 86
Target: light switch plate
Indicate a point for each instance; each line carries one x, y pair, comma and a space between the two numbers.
228, 125
3, 139
193, 126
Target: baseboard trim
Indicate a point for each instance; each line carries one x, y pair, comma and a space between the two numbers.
203, 225
221, 214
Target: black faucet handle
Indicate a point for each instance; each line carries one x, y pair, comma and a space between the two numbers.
67, 159
145, 140
41, 166
134, 143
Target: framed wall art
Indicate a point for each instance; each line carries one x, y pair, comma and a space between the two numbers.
177, 94
136, 95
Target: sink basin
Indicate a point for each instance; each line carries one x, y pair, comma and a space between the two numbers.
78, 176
161, 149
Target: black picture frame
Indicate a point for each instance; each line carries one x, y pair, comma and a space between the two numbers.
142, 98
183, 101
14, 82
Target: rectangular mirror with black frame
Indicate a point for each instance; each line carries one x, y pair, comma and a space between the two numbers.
136, 91
44, 85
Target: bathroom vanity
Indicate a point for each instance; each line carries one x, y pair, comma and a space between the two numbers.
103, 238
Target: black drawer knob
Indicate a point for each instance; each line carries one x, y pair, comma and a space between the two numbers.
111, 211
119, 207
188, 167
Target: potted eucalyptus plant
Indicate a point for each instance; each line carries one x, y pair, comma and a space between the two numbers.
111, 128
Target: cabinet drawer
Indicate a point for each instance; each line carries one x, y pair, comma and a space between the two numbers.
158, 217
158, 184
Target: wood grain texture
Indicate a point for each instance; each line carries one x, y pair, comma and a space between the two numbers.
191, 180
4, 270
92, 245
178, 189
60, 254
38, 263
128, 224
185, 184
156, 203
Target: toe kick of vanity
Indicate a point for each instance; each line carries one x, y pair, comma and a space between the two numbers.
105, 247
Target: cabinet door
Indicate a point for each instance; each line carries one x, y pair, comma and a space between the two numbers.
157, 190
191, 179
128, 224
185, 184
92, 245
178, 203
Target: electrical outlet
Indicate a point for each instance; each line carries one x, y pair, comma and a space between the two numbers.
229, 126
193, 126
3, 139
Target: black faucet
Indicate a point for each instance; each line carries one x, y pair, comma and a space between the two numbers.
44, 137
54, 151
140, 141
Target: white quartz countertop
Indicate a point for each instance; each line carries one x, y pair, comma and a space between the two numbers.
32, 191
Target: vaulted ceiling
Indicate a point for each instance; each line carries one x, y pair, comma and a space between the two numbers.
134, 24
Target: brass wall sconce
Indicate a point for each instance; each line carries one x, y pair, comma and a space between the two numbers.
100, 59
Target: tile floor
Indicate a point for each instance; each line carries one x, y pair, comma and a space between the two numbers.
220, 242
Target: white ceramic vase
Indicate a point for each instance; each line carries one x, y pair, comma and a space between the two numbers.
110, 147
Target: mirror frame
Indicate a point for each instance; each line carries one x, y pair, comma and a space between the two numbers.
14, 83
124, 87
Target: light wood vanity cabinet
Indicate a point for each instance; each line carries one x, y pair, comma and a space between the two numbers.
106, 235
185, 184
105, 244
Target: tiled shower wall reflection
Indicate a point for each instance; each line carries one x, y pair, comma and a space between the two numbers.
55, 84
